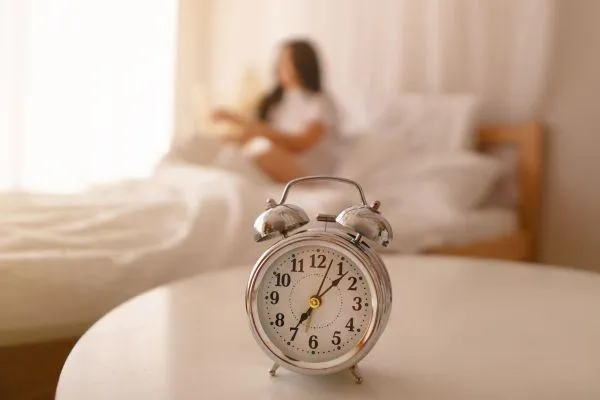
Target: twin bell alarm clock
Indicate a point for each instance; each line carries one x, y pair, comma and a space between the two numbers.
318, 299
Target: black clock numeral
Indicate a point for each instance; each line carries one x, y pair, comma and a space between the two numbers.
337, 339
350, 325
340, 269
322, 260
295, 330
312, 342
297, 265
274, 296
283, 279
353, 281
279, 319
357, 304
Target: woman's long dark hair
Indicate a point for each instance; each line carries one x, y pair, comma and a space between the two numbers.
306, 63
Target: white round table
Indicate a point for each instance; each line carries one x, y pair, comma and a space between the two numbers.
459, 329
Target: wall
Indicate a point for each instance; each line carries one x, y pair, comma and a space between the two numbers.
571, 213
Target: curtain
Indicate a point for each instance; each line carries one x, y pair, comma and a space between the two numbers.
373, 50
86, 90
86, 87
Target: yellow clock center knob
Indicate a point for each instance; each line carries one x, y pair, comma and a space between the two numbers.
314, 302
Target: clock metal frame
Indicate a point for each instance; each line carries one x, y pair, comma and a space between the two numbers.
376, 275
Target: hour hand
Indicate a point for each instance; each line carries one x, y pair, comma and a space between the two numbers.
304, 316
334, 283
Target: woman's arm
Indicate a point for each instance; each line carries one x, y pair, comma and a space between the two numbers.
296, 142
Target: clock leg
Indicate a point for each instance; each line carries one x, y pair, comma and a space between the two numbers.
273, 369
354, 371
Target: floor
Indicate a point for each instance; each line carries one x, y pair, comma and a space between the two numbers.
30, 372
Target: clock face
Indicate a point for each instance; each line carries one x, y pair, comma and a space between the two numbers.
314, 303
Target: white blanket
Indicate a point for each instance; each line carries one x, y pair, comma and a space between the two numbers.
66, 260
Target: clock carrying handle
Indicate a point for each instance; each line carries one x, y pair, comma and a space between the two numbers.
322, 178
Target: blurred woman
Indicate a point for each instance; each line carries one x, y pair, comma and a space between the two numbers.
294, 132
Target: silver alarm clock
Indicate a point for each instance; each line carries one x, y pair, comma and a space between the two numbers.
318, 299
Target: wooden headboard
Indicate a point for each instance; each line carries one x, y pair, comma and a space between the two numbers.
526, 139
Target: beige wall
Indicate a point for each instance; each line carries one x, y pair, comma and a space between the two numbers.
571, 215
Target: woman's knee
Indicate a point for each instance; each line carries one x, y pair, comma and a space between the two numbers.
276, 162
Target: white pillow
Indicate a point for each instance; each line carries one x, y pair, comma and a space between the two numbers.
505, 193
442, 122
411, 124
442, 182
366, 154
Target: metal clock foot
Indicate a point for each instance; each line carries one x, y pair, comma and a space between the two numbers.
274, 369
357, 377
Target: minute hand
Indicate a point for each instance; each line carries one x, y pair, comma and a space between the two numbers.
334, 283
324, 277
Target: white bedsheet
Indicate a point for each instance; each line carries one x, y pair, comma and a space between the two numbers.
67, 260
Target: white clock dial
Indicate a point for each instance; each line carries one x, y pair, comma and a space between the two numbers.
314, 304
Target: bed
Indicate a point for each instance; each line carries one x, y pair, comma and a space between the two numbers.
194, 229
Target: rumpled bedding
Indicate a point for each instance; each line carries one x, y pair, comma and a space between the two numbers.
67, 260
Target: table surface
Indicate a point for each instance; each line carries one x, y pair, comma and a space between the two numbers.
459, 329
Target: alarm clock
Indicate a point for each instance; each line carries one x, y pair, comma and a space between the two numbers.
318, 299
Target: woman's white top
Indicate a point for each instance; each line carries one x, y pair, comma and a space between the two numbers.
296, 111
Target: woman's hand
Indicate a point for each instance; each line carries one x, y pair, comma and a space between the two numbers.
239, 136
222, 115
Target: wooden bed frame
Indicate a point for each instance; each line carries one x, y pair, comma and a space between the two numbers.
526, 139
31, 371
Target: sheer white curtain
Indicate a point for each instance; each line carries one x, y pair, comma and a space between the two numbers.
86, 90
375, 49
